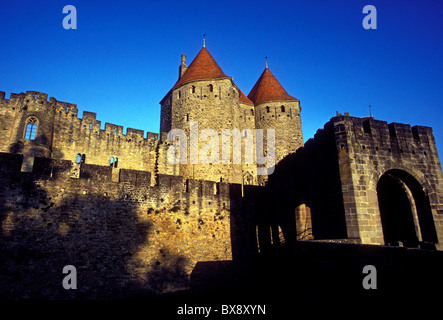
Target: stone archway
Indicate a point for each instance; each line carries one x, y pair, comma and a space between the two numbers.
405, 210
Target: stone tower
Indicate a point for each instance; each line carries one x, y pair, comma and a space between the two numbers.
276, 109
206, 101
31, 120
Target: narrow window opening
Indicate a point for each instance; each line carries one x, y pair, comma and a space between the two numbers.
367, 127
90, 126
252, 112
83, 158
211, 88
79, 158
115, 162
268, 109
111, 162
415, 134
193, 89
31, 128
282, 108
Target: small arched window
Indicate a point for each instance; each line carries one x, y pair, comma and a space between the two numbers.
252, 112
31, 128
268, 109
211, 88
111, 162
83, 158
79, 158
115, 162
193, 89
282, 108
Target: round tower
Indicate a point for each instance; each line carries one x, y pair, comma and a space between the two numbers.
204, 103
276, 109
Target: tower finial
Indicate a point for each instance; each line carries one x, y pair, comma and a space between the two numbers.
266, 62
204, 40
370, 111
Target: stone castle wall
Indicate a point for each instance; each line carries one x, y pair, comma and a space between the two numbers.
367, 149
331, 186
122, 236
213, 104
62, 135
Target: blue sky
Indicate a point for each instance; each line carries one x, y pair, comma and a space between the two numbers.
124, 56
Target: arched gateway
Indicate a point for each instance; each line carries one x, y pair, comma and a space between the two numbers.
405, 210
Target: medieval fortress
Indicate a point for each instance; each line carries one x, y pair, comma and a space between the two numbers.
101, 199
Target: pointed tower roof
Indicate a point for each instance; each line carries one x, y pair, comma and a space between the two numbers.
202, 67
244, 98
267, 88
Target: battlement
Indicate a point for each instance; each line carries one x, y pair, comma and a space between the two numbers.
168, 188
370, 126
368, 132
70, 110
28, 95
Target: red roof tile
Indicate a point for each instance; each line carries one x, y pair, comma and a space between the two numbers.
202, 67
267, 88
243, 97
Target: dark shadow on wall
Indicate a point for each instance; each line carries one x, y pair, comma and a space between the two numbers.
16, 147
96, 234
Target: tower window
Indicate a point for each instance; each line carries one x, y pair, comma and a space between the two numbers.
31, 128
211, 88
179, 95
252, 112
113, 162
268, 109
193, 89
282, 108
83, 159
79, 158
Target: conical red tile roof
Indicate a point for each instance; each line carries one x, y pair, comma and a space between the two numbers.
267, 88
243, 97
202, 67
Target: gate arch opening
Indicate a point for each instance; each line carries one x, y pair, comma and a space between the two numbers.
405, 210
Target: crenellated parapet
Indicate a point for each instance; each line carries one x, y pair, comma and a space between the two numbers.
60, 133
